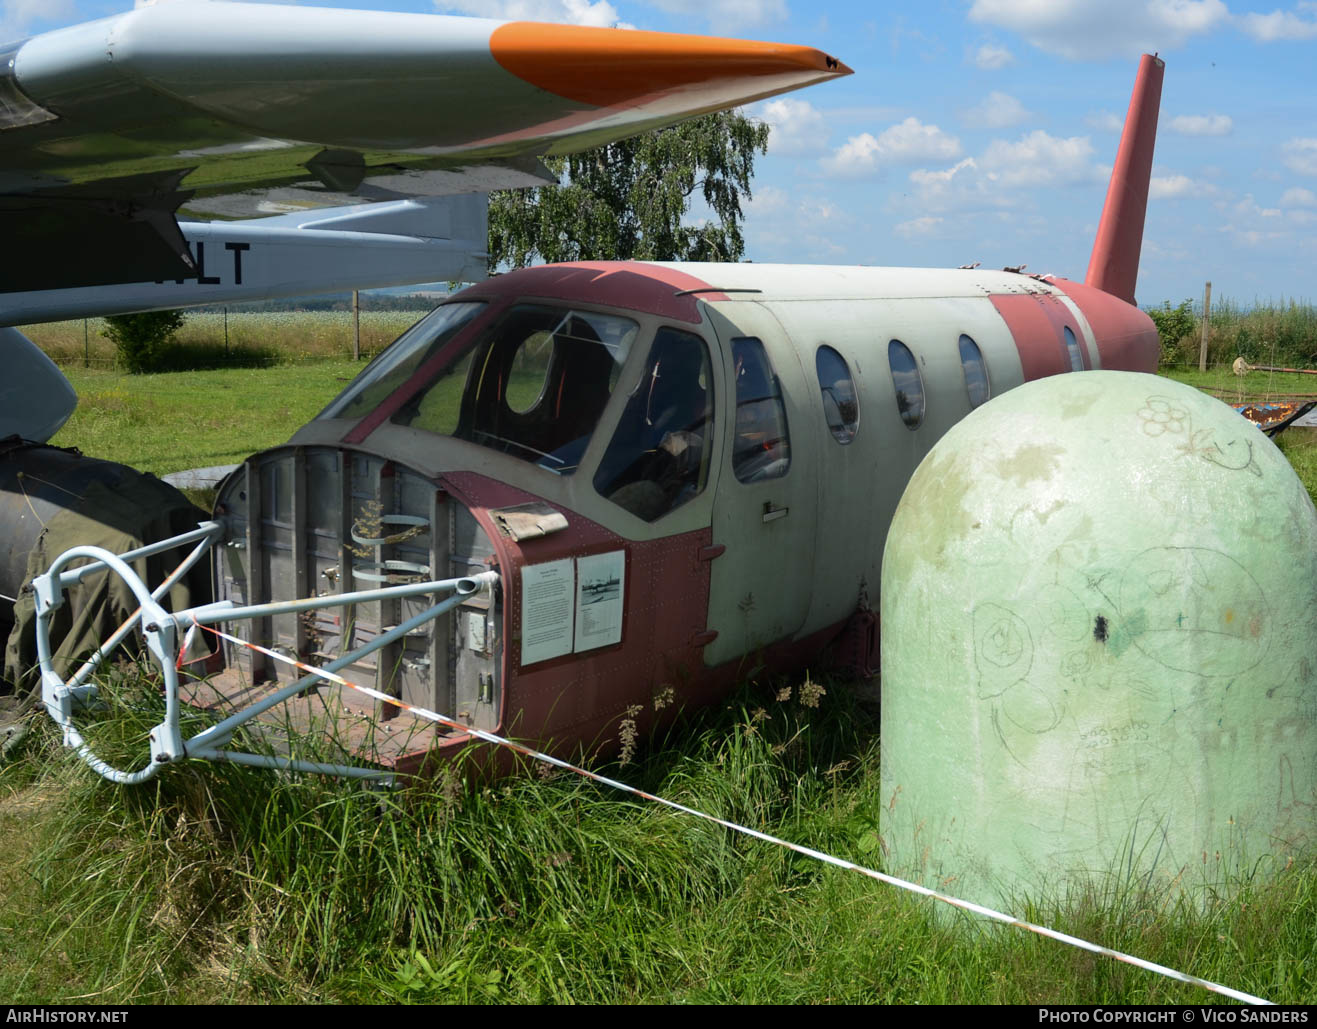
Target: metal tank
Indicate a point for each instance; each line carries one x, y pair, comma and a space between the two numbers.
1098, 649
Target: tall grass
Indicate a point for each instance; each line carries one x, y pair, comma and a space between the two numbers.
311, 887
1276, 332
220, 883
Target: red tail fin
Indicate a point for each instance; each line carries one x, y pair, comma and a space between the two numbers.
1114, 266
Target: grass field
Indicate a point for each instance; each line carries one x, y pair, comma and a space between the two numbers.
216, 884
178, 420
290, 337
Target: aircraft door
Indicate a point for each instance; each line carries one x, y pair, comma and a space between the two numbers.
765, 506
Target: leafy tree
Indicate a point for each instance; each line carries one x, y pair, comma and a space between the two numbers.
141, 339
626, 200
1174, 324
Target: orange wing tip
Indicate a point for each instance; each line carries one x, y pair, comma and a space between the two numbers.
603, 67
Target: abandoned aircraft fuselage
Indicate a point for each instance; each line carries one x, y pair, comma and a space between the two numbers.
674, 468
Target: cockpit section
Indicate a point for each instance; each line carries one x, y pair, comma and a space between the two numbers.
538, 382
536, 438
534, 384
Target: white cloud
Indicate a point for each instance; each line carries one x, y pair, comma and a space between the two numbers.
864, 112
1249, 208
798, 227
1104, 121
1155, 250
599, 13
1171, 187
910, 140
727, 15
1202, 125
767, 200
937, 180
1252, 225
993, 58
822, 248
1282, 26
1040, 159
721, 15
797, 127
813, 210
1092, 29
1000, 177
23, 11
1301, 156
1298, 198
962, 187
997, 111
918, 227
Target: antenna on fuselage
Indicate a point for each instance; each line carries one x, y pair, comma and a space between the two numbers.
1114, 266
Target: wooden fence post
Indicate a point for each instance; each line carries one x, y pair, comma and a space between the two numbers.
356, 326
1207, 320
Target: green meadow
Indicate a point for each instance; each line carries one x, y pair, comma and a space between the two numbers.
215, 884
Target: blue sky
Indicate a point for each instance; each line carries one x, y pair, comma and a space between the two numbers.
984, 130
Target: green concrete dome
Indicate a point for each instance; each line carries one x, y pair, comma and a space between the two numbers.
1099, 646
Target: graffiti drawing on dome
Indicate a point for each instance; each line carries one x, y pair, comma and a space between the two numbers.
1161, 416
1200, 610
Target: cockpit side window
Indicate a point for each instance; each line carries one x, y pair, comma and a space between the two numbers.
534, 385
761, 448
658, 459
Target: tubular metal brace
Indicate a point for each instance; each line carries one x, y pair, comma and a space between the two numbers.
160, 629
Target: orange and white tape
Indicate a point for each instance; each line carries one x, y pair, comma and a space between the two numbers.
818, 855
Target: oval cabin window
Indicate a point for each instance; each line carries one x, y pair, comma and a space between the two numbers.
1072, 350
909, 385
841, 407
976, 372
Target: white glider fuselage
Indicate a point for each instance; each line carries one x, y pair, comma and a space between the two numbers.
397, 243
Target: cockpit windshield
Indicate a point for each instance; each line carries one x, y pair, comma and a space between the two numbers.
399, 362
533, 384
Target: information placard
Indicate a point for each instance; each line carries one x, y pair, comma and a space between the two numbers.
546, 610
600, 589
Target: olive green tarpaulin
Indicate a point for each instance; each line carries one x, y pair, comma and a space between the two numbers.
138, 509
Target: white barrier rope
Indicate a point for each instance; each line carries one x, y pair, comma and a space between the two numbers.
817, 855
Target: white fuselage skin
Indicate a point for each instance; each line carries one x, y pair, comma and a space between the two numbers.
802, 549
